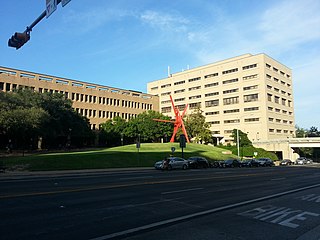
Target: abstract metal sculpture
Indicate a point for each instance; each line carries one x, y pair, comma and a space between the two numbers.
178, 123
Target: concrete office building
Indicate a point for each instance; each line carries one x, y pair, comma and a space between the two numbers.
252, 93
98, 103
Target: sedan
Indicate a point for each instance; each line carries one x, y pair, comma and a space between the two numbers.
198, 162
250, 163
232, 163
177, 163
265, 162
286, 162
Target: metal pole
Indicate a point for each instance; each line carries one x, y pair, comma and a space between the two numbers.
238, 143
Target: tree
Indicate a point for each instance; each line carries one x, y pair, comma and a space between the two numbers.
32, 115
197, 127
300, 132
243, 138
313, 132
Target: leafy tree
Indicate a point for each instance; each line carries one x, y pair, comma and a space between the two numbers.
244, 141
197, 127
300, 132
313, 132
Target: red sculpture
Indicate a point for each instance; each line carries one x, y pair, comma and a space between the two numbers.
178, 123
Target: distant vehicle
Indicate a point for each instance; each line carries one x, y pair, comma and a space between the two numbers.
215, 164
231, 163
158, 165
172, 163
265, 162
250, 163
286, 162
301, 161
198, 162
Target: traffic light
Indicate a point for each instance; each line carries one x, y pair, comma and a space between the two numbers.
19, 39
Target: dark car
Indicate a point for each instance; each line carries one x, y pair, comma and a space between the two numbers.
286, 162
231, 163
198, 162
250, 163
265, 162
215, 164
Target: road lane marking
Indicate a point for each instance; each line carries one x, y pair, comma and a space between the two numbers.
133, 178
277, 179
184, 190
198, 214
93, 188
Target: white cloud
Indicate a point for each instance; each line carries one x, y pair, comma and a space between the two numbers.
290, 23
165, 21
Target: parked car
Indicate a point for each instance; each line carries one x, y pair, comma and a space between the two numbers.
301, 161
286, 162
265, 162
158, 165
231, 163
198, 162
250, 163
172, 163
215, 164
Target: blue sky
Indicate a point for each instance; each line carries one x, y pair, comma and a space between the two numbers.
127, 43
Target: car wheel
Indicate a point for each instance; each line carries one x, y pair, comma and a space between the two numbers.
184, 167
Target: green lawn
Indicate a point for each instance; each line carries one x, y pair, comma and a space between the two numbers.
117, 157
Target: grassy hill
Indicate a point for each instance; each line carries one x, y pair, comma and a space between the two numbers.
117, 157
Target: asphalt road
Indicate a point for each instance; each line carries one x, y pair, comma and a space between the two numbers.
247, 203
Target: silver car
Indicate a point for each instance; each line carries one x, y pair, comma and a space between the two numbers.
177, 163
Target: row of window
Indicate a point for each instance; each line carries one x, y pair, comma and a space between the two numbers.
92, 113
278, 110
276, 99
78, 97
277, 70
278, 120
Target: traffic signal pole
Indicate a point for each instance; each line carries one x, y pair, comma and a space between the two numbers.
19, 39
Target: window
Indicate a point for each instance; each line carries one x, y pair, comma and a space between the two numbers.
178, 83
179, 99
269, 97
215, 122
166, 109
250, 77
194, 79
249, 66
251, 109
251, 120
166, 85
154, 88
211, 94
211, 75
179, 91
276, 99
230, 81
268, 65
165, 93
230, 71
195, 97
211, 85
231, 111
212, 103
229, 101
250, 98
283, 101
232, 121
194, 88
212, 113
231, 91
250, 87
195, 105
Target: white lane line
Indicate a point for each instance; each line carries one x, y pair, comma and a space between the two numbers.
179, 191
198, 214
132, 178
277, 179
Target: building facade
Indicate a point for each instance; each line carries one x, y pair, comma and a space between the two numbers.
96, 102
252, 93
